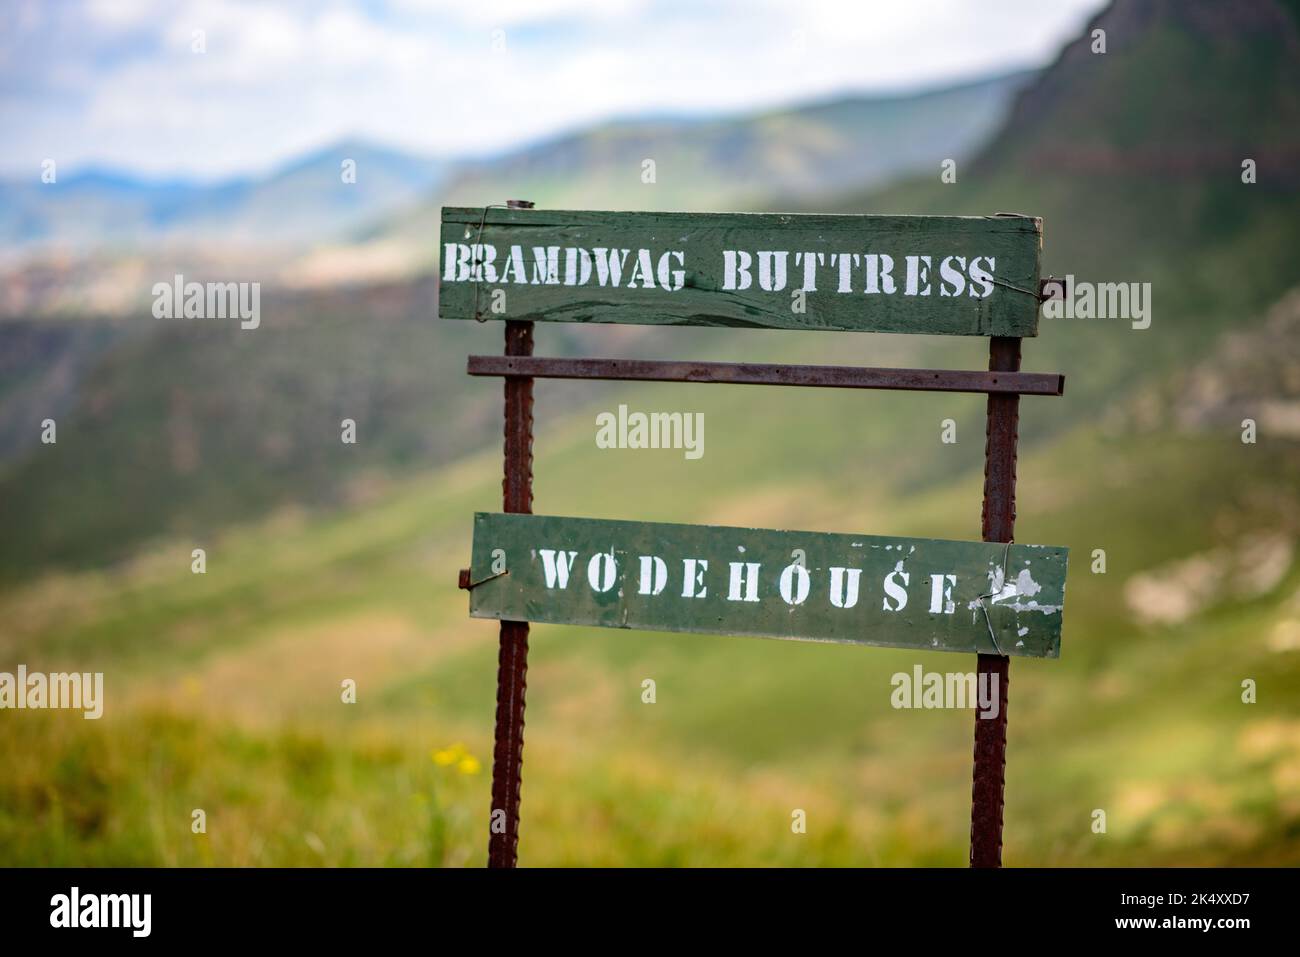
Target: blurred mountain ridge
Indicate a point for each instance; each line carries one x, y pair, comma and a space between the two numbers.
825, 144
266, 405
100, 208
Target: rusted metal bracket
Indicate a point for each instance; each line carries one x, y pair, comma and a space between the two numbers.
1049, 288
464, 583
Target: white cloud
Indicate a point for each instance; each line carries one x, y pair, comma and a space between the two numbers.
278, 78
119, 14
512, 13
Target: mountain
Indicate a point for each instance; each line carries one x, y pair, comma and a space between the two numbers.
302, 226
732, 162
304, 201
1101, 114
203, 229
1217, 252
1133, 158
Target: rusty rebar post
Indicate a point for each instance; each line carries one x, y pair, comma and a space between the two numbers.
512, 665
999, 523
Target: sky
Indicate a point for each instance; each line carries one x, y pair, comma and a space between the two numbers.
206, 89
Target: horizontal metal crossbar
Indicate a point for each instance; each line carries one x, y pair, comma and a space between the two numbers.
749, 373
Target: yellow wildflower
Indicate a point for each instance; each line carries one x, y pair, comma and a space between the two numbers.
449, 756
468, 765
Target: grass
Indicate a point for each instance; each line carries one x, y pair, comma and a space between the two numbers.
223, 689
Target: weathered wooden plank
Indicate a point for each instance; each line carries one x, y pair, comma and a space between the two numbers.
949, 275
857, 589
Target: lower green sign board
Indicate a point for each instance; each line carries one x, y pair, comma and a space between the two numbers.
810, 586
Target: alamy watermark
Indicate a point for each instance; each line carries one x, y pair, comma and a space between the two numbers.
75, 909
179, 299
953, 689
651, 430
1068, 299
71, 690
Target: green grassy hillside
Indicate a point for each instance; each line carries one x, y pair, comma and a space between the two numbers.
223, 689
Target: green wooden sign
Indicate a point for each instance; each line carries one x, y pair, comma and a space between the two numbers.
813, 586
950, 275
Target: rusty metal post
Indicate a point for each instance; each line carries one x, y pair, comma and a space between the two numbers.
999, 522
512, 665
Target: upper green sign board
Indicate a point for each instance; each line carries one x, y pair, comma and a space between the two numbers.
858, 589
946, 275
